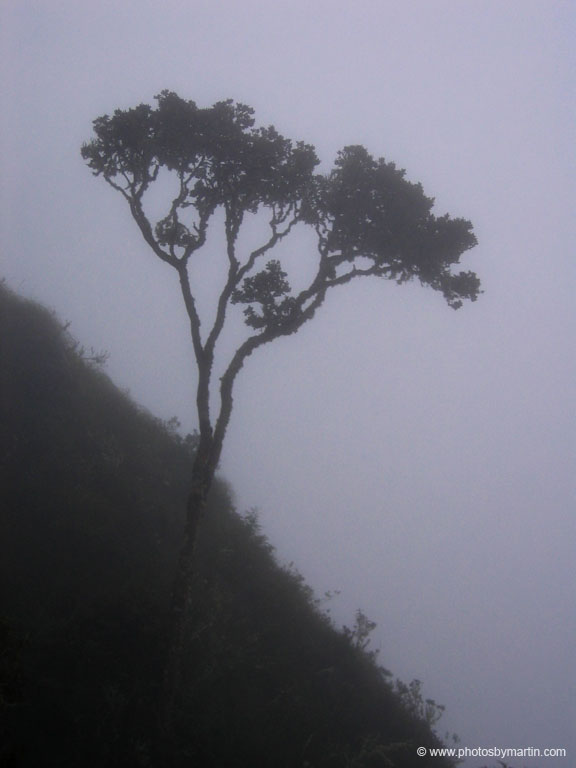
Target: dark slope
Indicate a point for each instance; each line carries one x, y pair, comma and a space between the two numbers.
91, 494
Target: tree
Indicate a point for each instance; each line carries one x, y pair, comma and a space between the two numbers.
367, 220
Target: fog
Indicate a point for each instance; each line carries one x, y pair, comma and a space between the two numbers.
418, 460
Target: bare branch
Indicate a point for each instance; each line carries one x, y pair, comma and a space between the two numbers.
236, 273
203, 360
375, 269
201, 230
193, 316
227, 385
118, 188
274, 240
232, 226
244, 351
146, 229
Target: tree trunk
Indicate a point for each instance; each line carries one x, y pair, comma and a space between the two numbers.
203, 471
180, 610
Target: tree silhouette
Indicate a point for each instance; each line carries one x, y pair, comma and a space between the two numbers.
367, 220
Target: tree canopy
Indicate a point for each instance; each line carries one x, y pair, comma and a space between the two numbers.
368, 219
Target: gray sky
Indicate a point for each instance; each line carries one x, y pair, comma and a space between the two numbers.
417, 459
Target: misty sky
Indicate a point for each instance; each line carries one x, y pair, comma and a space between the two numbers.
417, 459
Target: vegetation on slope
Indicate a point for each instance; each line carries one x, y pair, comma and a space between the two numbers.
92, 492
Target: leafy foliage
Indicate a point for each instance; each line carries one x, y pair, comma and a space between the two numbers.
412, 699
360, 633
265, 288
217, 157
366, 208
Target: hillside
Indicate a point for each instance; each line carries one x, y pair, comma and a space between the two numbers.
92, 490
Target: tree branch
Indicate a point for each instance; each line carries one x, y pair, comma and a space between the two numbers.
276, 237
236, 273
244, 351
144, 225
203, 360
